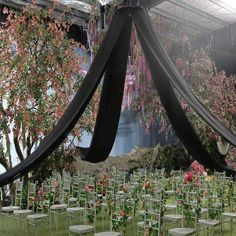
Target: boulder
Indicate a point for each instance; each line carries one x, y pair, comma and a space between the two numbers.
139, 157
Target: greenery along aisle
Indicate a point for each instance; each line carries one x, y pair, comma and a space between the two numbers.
145, 197
39, 73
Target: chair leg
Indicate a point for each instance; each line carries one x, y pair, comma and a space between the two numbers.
231, 226
133, 225
14, 225
35, 230
50, 225
221, 228
27, 228
42, 225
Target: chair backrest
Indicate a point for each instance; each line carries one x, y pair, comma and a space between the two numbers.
18, 193
44, 198
219, 175
75, 186
215, 203
56, 190
153, 213
170, 184
160, 173
82, 183
66, 191
231, 196
91, 209
121, 210
31, 196
176, 173
82, 192
82, 198
112, 186
190, 208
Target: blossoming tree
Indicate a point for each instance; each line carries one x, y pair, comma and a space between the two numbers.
39, 73
215, 90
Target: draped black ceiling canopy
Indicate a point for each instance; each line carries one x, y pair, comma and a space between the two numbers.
111, 61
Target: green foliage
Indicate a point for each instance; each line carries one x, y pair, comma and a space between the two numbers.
61, 159
172, 157
191, 208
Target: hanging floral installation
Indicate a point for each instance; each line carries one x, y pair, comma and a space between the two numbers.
215, 89
139, 85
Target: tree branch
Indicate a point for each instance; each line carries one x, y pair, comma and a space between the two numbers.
3, 160
8, 151
28, 145
2, 109
18, 149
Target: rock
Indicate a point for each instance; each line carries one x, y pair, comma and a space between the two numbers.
139, 157
168, 157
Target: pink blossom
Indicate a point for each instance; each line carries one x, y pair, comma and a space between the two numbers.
188, 177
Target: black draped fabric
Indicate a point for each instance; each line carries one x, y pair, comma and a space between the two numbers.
77, 105
164, 75
162, 81
111, 99
179, 83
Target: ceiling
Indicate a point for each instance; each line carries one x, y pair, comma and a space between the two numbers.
198, 17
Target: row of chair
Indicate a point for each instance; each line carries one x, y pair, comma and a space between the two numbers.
203, 203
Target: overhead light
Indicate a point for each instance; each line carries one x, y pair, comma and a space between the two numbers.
231, 3
105, 2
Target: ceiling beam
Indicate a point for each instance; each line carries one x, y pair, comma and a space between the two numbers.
75, 16
76, 6
180, 20
144, 3
223, 5
150, 3
198, 11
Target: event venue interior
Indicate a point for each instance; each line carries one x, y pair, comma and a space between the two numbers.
117, 117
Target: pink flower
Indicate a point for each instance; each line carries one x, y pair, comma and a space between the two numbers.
87, 189
198, 168
147, 185
214, 136
188, 177
5, 10
178, 61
